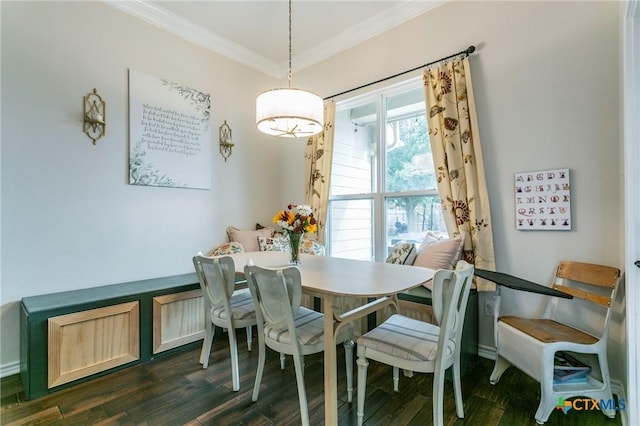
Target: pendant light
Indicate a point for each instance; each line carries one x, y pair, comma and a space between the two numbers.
290, 112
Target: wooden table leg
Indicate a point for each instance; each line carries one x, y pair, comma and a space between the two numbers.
330, 368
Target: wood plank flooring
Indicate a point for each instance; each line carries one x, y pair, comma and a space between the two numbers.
175, 390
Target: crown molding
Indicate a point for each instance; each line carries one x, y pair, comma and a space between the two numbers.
194, 33
365, 30
199, 35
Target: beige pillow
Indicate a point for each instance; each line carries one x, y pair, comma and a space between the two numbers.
248, 237
429, 238
443, 254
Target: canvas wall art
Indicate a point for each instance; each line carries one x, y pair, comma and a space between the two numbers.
169, 133
543, 200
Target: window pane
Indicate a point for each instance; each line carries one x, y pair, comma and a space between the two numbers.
409, 218
354, 151
409, 165
351, 232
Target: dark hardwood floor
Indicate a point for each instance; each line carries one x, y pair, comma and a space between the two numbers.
175, 390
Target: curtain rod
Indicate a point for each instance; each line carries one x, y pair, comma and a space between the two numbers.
468, 51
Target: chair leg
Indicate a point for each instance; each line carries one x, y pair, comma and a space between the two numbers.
396, 379
499, 367
548, 399
206, 344
261, 359
249, 337
348, 357
547, 405
362, 386
298, 362
457, 389
438, 397
282, 360
233, 348
606, 380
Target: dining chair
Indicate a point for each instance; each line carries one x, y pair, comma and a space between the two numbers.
224, 307
577, 325
287, 327
417, 346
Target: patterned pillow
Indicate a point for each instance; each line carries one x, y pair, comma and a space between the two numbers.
228, 248
402, 254
311, 247
274, 243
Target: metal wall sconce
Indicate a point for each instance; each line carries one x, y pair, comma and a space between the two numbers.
94, 116
226, 144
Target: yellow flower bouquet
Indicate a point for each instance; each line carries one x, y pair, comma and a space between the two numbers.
296, 220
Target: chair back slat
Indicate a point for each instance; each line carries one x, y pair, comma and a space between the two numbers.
594, 289
278, 293
217, 279
584, 295
599, 275
454, 288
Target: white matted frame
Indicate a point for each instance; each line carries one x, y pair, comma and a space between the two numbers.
543, 200
169, 133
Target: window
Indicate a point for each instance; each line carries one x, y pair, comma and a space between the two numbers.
383, 185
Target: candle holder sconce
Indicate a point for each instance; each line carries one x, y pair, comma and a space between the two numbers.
226, 144
94, 116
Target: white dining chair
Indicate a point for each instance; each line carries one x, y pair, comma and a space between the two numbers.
224, 307
417, 346
288, 328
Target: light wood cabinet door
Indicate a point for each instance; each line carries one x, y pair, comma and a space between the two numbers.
178, 319
84, 343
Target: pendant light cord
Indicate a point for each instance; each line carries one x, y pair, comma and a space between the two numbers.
289, 75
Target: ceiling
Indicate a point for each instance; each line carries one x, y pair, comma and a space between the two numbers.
255, 32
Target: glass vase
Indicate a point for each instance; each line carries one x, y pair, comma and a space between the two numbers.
294, 242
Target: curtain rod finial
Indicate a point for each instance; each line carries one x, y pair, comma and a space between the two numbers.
470, 50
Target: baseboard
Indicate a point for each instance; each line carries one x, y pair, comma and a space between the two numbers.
10, 369
488, 352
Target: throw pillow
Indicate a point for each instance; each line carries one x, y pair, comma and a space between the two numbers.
402, 254
228, 248
429, 238
443, 254
248, 237
308, 246
274, 243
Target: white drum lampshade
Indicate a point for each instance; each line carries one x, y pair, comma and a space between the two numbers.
289, 113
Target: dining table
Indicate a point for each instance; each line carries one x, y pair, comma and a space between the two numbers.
327, 278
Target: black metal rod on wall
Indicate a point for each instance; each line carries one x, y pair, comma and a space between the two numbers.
468, 51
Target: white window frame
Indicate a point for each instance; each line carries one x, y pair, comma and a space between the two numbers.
379, 195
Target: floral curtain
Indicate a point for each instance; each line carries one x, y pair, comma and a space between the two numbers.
457, 156
318, 157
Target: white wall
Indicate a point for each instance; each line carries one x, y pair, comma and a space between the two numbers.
546, 78
69, 218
